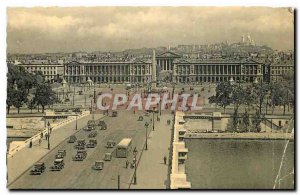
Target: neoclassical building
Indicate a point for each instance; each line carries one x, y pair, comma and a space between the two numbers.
181, 70
109, 72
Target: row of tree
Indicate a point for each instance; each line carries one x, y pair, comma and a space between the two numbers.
254, 97
260, 95
24, 88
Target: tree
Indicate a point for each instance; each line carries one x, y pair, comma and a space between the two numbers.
235, 120
20, 97
11, 93
238, 97
277, 95
31, 105
246, 121
256, 121
44, 95
223, 97
260, 93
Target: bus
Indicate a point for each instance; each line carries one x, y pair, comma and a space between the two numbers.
123, 148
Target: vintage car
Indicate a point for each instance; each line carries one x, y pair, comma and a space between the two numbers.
60, 154
38, 168
80, 144
140, 118
72, 139
99, 165
102, 125
80, 155
91, 124
92, 143
110, 144
92, 134
114, 114
58, 165
108, 156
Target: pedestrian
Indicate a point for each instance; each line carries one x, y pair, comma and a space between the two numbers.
127, 163
50, 130
30, 144
46, 136
42, 135
135, 150
133, 111
165, 160
40, 141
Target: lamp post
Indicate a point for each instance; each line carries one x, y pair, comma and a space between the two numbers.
94, 94
134, 178
76, 122
48, 135
146, 126
153, 119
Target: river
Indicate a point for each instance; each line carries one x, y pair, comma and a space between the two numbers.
238, 164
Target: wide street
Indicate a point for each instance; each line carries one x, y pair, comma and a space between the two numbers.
80, 175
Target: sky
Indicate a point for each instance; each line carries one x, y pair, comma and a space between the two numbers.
70, 29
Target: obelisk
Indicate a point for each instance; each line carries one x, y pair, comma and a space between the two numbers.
153, 70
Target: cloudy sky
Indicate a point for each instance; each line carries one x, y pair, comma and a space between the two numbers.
54, 29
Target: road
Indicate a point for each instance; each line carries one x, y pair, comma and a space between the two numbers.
79, 174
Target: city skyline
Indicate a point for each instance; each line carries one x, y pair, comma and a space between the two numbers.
90, 29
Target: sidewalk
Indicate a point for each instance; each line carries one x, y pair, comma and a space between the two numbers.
25, 158
152, 173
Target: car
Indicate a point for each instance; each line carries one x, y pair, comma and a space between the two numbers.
102, 125
60, 154
80, 144
92, 143
80, 155
58, 165
107, 156
72, 139
114, 114
99, 165
38, 168
91, 124
110, 144
92, 134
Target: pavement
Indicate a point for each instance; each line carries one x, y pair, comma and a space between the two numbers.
152, 173
28, 156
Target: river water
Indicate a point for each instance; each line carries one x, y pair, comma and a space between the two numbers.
238, 164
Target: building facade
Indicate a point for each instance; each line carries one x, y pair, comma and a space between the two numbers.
216, 71
196, 70
109, 72
50, 71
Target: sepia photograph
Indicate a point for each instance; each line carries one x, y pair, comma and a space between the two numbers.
150, 98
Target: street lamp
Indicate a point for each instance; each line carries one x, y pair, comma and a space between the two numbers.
134, 178
146, 126
94, 94
76, 122
48, 135
153, 119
